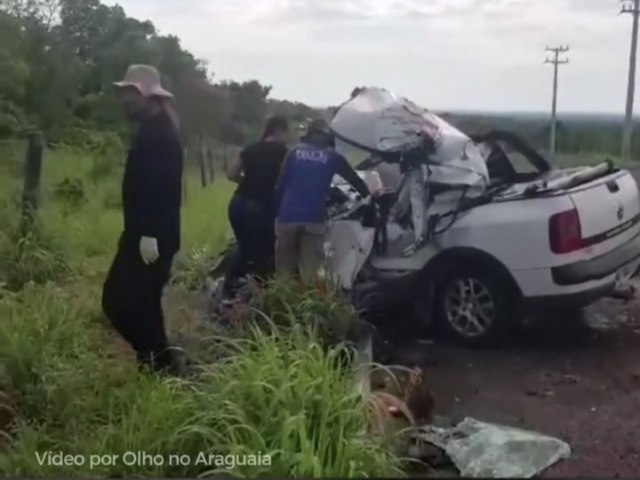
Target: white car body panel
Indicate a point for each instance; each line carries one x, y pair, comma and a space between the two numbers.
515, 232
347, 248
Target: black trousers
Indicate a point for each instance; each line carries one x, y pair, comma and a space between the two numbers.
132, 300
254, 229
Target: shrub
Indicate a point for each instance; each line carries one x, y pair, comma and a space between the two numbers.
94, 142
71, 192
326, 308
37, 256
191, 269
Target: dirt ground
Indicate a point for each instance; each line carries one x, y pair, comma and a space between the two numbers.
578, 383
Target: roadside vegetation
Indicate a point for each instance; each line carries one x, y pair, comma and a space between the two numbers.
74, 386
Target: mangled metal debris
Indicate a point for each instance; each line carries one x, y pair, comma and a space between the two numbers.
480, 449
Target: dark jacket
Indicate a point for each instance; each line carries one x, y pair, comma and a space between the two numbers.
152, 186
261, 165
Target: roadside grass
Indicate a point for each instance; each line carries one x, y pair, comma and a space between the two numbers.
78, 392
81, 218
281, 395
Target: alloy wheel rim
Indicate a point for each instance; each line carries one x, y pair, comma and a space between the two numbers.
469, 307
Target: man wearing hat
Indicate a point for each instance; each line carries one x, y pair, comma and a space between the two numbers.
151, 199
302, 191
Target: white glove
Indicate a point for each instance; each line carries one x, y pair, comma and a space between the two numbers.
149, 250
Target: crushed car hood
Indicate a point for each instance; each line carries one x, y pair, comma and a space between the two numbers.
380, 122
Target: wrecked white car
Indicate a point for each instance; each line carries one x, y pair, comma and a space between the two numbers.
474, 233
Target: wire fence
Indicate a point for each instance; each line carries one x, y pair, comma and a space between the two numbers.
205, 161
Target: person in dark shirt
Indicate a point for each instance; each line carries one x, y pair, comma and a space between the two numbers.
301, 193
151, 199
252, 209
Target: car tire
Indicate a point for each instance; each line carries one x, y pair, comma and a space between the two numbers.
474, 304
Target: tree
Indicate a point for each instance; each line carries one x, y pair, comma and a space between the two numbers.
59, 59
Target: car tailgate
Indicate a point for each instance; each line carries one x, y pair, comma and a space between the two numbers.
609, 211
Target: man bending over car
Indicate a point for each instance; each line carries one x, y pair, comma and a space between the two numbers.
301, 192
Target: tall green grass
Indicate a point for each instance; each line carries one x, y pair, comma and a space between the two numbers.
76, 387
280, 395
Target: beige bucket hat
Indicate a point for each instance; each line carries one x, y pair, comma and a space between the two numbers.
146, 79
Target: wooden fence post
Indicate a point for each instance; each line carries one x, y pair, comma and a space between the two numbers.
32, 174
212, 170
202, 161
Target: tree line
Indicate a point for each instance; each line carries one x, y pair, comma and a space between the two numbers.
586, 134
59, 58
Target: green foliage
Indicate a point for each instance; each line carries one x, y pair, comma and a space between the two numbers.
59, 76
191, 269
580, 136
325, 308
91, 142
33, 254
71, 192
12, 119
35, 257
12, 155
296, 112
280, 395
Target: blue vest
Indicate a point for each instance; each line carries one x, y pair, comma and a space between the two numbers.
308, 173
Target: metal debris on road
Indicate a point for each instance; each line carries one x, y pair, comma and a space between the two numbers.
486, 450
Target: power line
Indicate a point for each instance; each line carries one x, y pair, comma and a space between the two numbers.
555, 60
632, 7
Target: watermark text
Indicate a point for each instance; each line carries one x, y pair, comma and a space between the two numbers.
145, 459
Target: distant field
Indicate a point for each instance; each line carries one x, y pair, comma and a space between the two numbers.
572, 160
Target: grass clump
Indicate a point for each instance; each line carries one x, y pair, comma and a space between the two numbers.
36, 255
191, 269
43, 332
324, 306
288, 396
71, 192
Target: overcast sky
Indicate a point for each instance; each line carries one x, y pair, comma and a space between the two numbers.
443, 54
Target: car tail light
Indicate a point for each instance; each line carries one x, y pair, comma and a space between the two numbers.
565, 232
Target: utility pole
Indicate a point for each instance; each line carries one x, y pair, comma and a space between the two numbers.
632, 7
555, 60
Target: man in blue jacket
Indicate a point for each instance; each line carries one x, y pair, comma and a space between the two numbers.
302, 194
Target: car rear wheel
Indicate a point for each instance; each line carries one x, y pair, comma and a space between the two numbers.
473, 304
